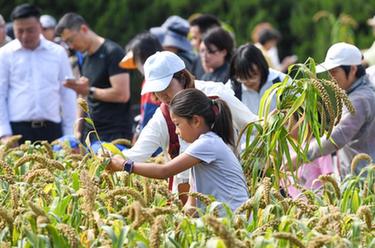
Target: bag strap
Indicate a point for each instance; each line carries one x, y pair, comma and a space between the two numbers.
174, 144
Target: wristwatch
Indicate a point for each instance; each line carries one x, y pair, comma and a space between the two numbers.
128, 166
92, 92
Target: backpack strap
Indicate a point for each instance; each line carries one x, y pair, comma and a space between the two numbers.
276, 80
237, 88
174, 144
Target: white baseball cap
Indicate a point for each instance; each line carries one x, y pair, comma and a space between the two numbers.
159, 69
340, 54
47, 21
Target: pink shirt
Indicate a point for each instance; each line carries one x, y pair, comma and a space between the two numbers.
308, 173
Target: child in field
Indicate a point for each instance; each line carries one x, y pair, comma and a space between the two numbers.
215, 169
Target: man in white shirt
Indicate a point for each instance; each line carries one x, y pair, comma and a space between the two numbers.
33, 100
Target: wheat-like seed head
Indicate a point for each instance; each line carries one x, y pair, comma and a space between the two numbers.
333, 182
156, 211
83, 104
127, 191
11, 141
147, 191
365, 213
266, 190
327, 103
105, 176
328, 219
156, 231
69, 233
45, 174
221, 231
247, 205
201, 197
48, 148
38, 211
319, 241
281, 199
289, 236
89, 192
7, 169
357, 158
6, 216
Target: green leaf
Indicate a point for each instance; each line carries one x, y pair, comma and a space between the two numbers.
113, 149
57, 240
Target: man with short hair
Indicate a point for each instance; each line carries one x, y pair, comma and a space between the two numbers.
4, 38
199, 25
355, 133
33, 100
103, 81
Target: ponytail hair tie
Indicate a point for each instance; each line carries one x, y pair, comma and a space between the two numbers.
214, 108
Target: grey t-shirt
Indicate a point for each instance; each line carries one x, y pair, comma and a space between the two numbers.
220, 173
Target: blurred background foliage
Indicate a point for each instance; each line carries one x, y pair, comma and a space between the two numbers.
308, 27
303, 34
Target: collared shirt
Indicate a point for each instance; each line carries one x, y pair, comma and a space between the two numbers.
355, 133
155, 133
31, 85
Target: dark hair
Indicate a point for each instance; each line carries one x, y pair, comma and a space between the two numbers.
221, 39
143, 45
185, 78
245, 58
190, 102
268, 35
25, 10
361, 71
70, 21
205, 22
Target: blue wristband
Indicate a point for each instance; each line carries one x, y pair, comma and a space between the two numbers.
128, 166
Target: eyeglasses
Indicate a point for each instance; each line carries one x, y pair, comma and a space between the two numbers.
70, 40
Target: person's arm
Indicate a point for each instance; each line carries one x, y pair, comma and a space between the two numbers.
343, 133
179, 164
5, 129
119, 91
68, 96
153, 135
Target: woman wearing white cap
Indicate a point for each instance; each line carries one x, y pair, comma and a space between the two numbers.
355, 133
165, 75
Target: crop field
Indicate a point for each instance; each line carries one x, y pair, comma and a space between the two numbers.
66, 198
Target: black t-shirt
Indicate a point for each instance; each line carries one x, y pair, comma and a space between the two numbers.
108, 117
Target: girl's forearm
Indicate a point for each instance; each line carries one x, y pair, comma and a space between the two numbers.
151, 170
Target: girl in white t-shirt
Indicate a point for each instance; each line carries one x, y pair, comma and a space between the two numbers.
215, 170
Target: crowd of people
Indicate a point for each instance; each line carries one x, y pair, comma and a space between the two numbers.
199, 91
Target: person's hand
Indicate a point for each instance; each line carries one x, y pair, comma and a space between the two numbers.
4, 139
81, 86
116, 164
287, 61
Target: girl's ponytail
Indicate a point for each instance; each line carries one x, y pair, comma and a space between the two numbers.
215, 112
